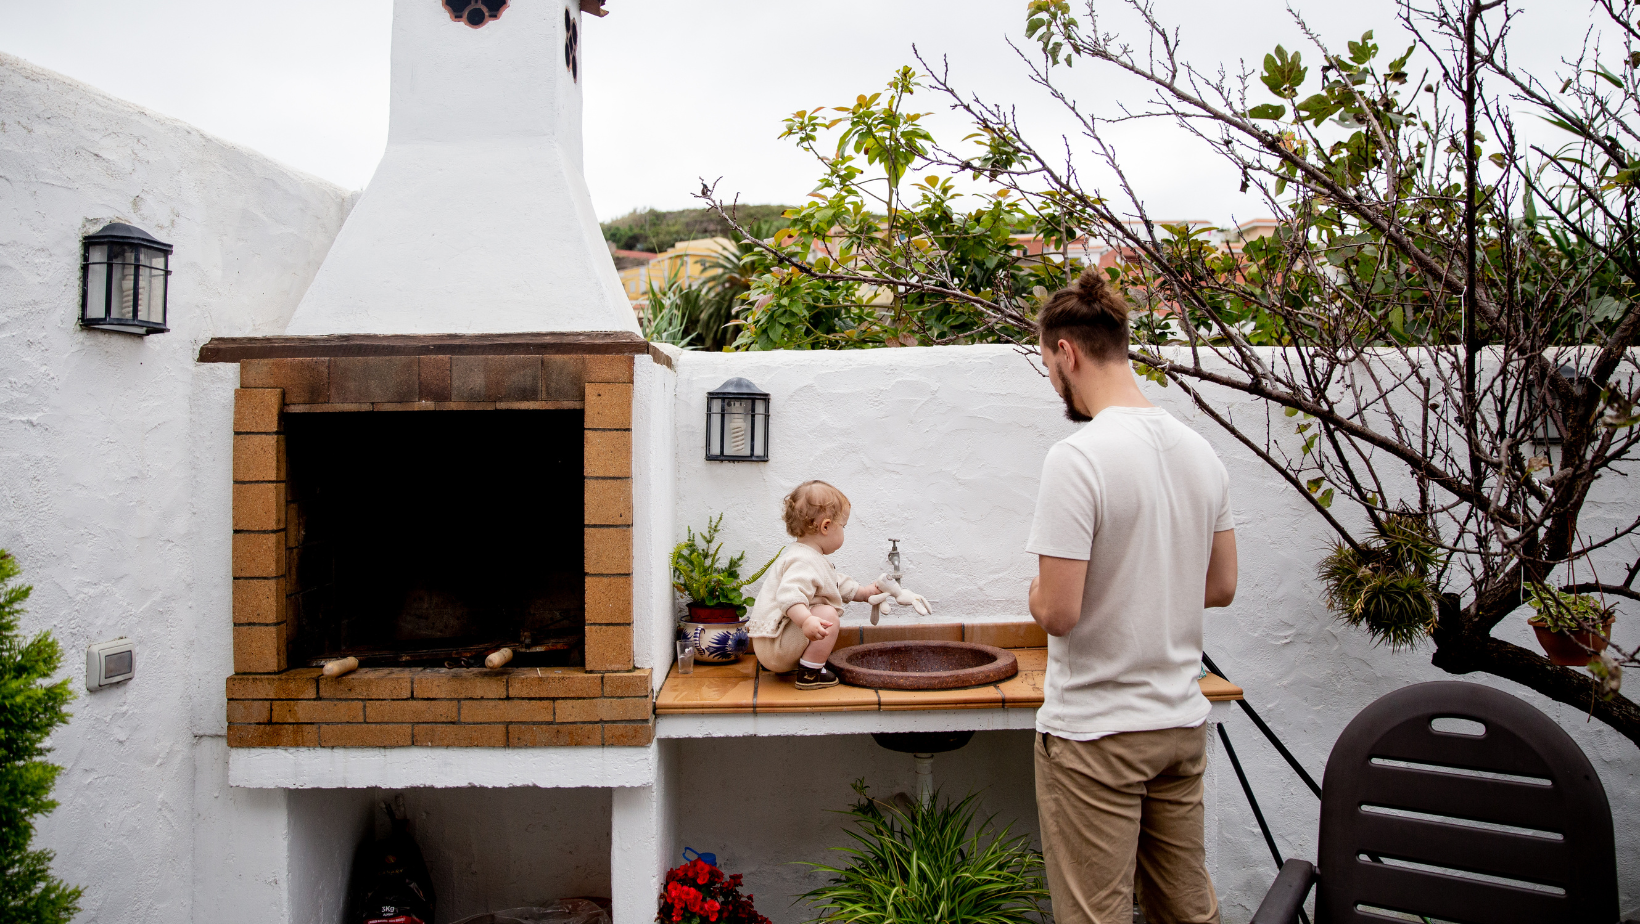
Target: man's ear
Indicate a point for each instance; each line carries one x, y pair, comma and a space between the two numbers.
1068, 353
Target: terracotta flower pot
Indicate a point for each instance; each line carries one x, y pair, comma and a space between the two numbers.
1571, 649
699, 612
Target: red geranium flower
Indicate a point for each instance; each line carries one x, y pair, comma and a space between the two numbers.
699, 893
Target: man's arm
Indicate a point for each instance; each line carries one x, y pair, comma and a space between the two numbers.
1221, 570
1056, 593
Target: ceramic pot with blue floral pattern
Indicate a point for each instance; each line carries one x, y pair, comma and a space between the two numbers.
717, 642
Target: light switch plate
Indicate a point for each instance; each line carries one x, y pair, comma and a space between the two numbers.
108, 663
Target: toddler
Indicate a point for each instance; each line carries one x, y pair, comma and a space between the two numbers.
794, 620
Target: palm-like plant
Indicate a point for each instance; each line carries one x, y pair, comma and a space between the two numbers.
671, 314
931, 864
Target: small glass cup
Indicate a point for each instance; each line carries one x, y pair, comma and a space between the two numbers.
686, 656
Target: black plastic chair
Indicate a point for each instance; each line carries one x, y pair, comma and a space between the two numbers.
1507, 825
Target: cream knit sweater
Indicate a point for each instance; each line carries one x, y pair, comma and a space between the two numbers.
801, 575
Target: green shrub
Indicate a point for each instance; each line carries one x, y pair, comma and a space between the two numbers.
29, 709
931, 864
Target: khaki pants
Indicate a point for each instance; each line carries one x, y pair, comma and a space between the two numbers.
1125, 801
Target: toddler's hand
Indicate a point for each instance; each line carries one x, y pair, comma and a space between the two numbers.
815, 629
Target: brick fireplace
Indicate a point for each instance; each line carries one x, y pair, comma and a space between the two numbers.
411, 500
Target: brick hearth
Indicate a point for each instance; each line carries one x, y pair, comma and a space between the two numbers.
396, 707
271, 704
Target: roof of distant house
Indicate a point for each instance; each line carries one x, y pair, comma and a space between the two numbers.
629, 258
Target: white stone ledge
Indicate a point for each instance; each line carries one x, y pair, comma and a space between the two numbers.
439, 767
749, 725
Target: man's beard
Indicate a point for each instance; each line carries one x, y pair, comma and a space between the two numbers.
1067, 393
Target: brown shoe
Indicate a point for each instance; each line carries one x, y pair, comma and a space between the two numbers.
810, 678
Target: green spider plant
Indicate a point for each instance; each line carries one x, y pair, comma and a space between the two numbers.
930, 864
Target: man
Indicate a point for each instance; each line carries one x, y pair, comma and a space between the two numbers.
1134, 532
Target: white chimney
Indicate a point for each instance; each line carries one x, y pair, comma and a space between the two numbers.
478, 218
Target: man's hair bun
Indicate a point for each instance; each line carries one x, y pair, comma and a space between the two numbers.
1092, 281
1091, 314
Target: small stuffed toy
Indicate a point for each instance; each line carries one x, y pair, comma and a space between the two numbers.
894, 593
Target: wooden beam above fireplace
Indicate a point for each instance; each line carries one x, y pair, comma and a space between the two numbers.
235, 349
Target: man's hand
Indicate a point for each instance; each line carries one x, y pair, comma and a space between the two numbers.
1056, 593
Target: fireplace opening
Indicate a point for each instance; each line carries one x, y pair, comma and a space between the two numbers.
431, 538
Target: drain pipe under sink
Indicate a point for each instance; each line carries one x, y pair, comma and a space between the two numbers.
925, 778
922, 746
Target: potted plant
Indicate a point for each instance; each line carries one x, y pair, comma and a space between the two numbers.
1565, 624
930, 862
699, 893
713, 588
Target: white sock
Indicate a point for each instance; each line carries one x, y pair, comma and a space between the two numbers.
812, 667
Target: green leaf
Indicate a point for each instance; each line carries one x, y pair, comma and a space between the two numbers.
1401, 62
1606, 308
1363, 51
1326, 498
1283, 73
1267, 111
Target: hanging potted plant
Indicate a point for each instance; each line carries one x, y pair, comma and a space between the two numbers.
1565, 623
714, 590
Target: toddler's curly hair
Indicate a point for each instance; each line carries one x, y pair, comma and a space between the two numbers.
811, 502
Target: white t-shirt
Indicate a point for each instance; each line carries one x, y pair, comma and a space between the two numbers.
1138, 495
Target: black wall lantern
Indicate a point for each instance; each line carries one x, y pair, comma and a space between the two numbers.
737, 423
1545, 410
124, 276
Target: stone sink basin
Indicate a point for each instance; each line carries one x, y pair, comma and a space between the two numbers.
913, 665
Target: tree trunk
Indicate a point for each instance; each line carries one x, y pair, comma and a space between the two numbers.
1463, 653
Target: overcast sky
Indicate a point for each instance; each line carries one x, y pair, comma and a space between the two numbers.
675, 90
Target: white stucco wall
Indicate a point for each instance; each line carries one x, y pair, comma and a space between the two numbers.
941, 448
654, 502
115, 483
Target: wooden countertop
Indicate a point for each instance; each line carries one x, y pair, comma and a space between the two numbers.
745, 688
